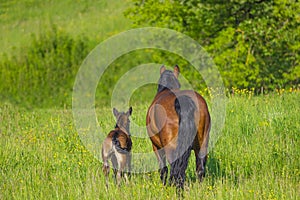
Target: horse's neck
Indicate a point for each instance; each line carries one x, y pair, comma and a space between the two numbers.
166, 91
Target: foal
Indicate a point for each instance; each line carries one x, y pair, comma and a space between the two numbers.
117, 147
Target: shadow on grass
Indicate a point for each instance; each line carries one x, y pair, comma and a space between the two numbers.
214, 171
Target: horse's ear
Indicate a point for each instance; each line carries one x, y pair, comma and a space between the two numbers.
162, 69
115, 111
129, 111
176, 71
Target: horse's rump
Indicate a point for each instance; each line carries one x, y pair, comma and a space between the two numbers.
162, 113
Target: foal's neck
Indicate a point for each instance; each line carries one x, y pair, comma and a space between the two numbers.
124, 129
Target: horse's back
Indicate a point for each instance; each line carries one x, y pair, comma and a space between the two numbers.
163, 104
162, 115
197, 98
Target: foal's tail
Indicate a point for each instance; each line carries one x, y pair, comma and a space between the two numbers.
185, 109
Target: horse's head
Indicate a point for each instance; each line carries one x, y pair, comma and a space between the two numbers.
168, 79
122, 118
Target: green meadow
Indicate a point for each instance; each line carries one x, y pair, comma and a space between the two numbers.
42, 156
255, 157
21, 20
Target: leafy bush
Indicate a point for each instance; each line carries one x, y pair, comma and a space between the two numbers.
254, 43
43, 75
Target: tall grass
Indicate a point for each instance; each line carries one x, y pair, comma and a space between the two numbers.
44, 43
44, 74
20, 20
256, 157
41, 155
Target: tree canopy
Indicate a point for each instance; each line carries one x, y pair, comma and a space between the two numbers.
254, 43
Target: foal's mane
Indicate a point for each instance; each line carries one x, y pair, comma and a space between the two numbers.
122, 120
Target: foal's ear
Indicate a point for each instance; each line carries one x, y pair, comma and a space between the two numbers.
129, 111
116, 112
162, 69
176, 71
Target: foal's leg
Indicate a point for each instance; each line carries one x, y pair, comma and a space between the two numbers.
105, 167
128, 163
115, 165
161, 157
105, 170
121, 159
106, 153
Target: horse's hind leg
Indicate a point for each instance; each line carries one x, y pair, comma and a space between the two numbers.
201, 158
163, 168
201, 148
161, 157
179, 165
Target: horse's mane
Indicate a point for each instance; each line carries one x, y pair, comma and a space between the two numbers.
167, 81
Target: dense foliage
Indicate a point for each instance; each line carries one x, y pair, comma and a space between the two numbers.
255, 43
43, 75
44, 44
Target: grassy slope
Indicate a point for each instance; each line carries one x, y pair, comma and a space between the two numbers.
95, 19
256, 157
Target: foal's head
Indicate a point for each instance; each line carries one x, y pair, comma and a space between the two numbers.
123, 119
168, 79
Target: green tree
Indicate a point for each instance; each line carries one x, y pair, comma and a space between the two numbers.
255, 43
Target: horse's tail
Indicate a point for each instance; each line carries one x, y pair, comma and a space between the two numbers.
121, 142
185, 109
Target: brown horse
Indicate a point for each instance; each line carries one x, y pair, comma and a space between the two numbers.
117, 147
178, 121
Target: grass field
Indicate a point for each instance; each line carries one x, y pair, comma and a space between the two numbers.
20, 20
256, 157
42, 156
50, 39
